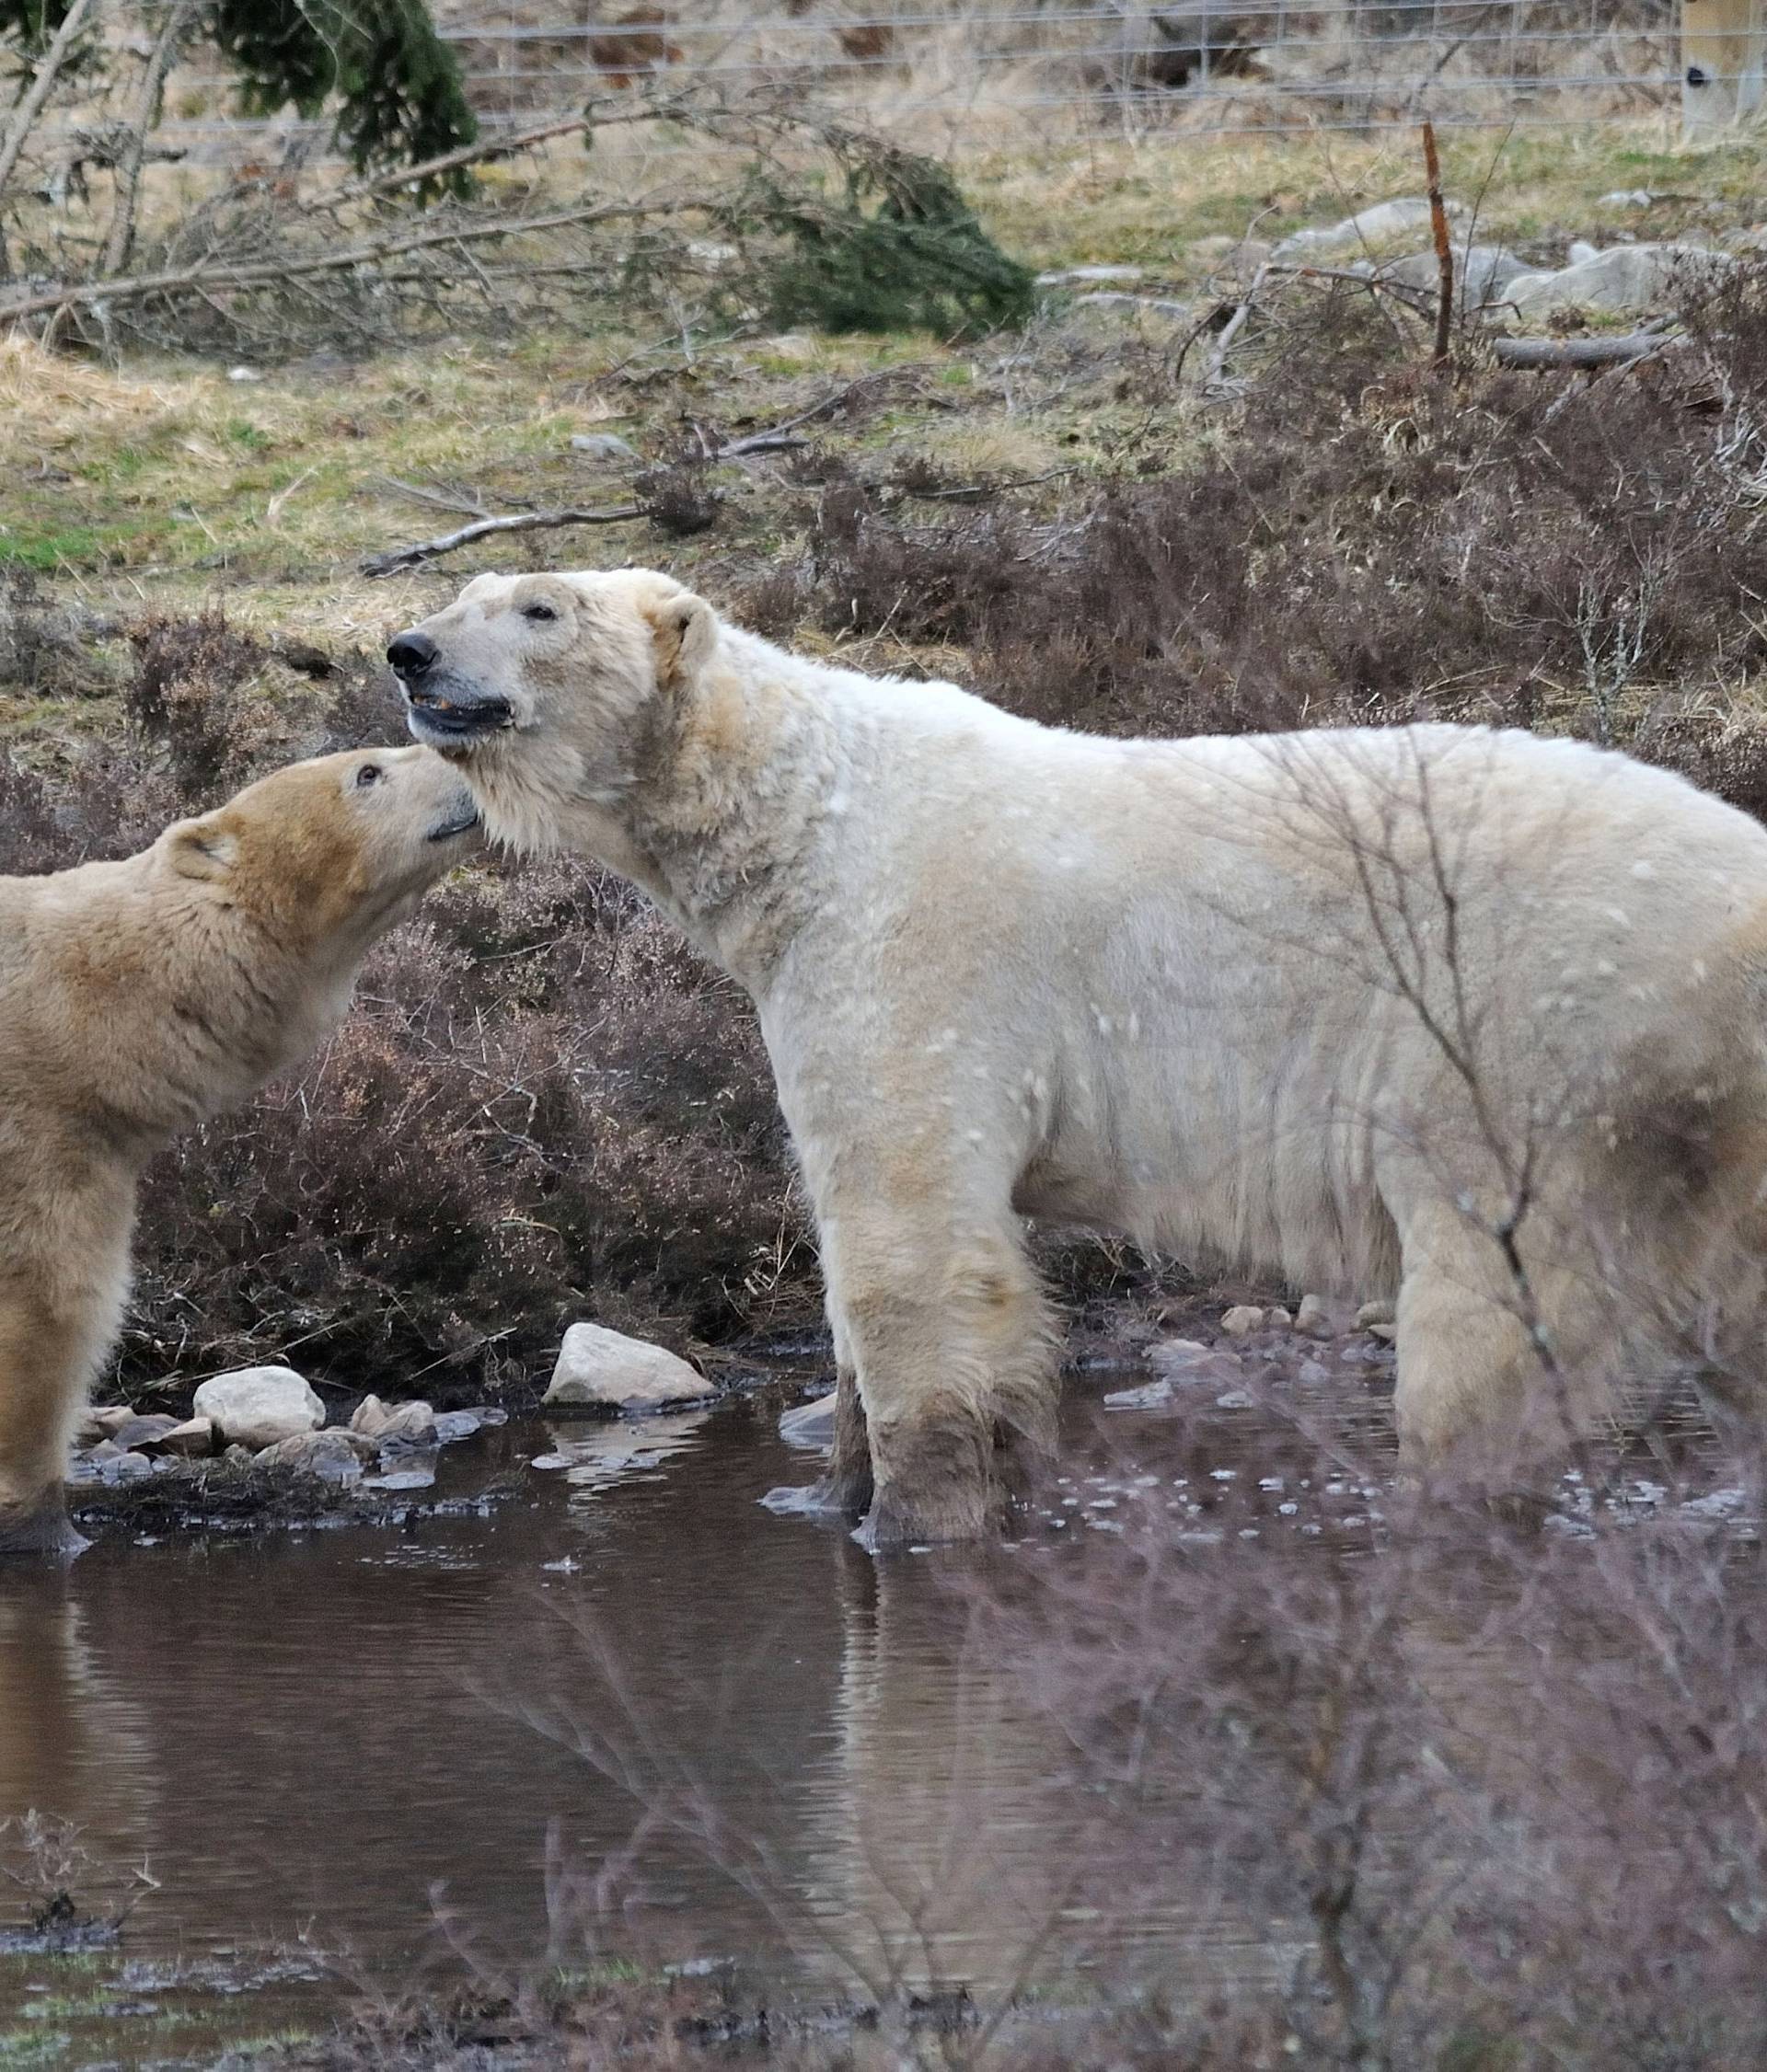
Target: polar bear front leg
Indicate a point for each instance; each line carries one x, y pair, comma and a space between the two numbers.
953, 1359
45, 1355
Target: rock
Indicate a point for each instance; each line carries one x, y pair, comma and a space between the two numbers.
1109, 299
192, 1440
1369, 226
452, 1426
1481, 272
1151, 1395
99, 1420
1312, 1319
1629, 278
810, 1424
1069, 276
1183, 1359
259, 1406
1385, 1333
1235, 1400
1373, 1313
1278, 1321
141, 1435
603, 445
606, 1369
403, 1425
1627, 198
1242, 1320
1580, 252
1312, 1372
124, 1468
244, 373
333, 1457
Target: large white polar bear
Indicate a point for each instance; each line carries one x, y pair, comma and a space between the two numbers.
1470, 1016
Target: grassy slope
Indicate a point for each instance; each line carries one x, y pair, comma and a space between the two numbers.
168, 485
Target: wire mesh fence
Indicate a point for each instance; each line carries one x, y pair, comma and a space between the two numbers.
1207, 66
1018, 71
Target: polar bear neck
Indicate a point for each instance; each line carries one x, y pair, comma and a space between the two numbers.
726, 809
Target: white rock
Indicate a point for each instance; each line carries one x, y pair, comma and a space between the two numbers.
1625, 278
1151, 1395
1382, 219
1068, 276
1242, 1320
99, 1420
603, 445
811, 1425
1312, 1319
1183, 1358
1480, 272
599, 1366
1627, 198
1373, 1313
256, 1406
1277, 1319
192, 1440
406, 1424
1579, 252
333, 1457
244, 373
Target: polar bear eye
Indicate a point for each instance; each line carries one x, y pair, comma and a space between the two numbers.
368, 774
538, 611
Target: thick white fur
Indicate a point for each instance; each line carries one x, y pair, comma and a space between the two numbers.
1473, 1018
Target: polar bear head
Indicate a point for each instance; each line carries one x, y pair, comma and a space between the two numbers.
324, 855
551, 693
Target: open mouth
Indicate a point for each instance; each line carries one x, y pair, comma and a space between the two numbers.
433, 718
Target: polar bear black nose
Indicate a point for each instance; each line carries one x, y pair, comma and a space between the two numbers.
412, 654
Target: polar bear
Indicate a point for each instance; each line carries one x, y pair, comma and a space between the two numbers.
1471, 1017
139, 998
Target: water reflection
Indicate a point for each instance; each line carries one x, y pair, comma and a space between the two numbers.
623, 1683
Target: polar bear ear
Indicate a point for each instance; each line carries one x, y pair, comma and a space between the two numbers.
685, 628
202, 848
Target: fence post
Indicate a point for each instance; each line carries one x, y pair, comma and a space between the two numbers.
1721, 63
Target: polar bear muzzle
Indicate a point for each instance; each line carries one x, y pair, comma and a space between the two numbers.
441, 710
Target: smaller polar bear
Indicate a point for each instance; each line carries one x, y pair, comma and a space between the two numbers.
138, 999
1471, 1017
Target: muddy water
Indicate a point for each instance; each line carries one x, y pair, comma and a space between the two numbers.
620, 1689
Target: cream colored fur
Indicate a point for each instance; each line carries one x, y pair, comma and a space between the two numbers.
1471, 1017
138, 999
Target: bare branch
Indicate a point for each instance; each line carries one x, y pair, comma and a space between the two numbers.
401, 558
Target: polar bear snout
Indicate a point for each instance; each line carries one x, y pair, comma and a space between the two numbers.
444, 708
412, 654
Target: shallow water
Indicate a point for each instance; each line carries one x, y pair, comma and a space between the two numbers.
620, 1689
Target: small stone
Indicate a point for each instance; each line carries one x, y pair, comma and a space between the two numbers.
1312, 1372
1373, 1313
141, 1435
1235, 1400
244, 373
1627, 198
606, 1369
1581, 251
1151, 1395
1277, 1319
1242, 1319
395, 1425
1069, 276
192, 1440
333, 1457
811, 1425
1385, 1333
452, 1426
1312, 1319
603, 445
259, 1406
100, 1420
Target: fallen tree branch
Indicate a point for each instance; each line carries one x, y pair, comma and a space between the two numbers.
211, 277
1583, 352
399, 558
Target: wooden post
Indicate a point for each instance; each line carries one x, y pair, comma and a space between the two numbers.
1721, 64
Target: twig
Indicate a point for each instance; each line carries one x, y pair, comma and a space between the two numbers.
401, 558
24, 116
1444, 249
208, 277
120, 237
467, 505
775, 437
